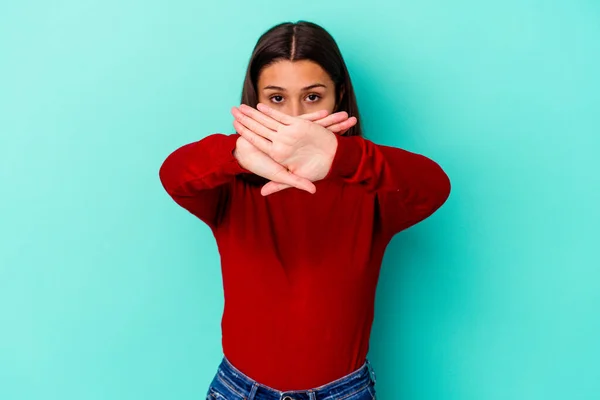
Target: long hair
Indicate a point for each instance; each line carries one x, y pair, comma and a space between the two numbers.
302, 41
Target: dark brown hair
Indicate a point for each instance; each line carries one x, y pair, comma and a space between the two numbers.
302, 41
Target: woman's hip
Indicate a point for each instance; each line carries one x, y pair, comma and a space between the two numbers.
231, 384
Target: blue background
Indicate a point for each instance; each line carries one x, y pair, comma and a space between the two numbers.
108, 290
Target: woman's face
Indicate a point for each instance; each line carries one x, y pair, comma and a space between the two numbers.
296, 87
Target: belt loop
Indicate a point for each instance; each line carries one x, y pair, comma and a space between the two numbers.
371, 371
253, 391
312, 395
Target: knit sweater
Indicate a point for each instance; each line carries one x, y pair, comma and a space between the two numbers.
300, 270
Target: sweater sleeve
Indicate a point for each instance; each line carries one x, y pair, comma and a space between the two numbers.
409, 187
196, 176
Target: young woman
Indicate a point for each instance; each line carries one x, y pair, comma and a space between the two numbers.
302, 208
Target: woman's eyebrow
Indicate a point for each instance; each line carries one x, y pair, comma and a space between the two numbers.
303, 89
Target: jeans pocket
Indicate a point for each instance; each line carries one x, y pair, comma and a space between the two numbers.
213, 394
365, 393
371, 389
221, 390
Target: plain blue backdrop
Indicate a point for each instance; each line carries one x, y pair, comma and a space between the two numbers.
109, 290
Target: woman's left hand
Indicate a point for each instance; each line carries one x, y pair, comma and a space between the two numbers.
304, 147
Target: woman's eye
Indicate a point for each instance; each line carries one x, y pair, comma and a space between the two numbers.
311, 98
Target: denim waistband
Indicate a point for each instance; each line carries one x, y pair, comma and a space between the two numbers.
249, 389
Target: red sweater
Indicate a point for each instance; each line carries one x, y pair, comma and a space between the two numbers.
300, 270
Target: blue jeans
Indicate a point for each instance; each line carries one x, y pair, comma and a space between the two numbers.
231, 384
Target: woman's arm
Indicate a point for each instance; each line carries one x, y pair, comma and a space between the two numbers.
410, 187
196, 176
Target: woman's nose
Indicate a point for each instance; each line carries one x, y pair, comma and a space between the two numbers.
297, 109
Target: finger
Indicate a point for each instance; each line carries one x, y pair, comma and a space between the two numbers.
333, 119
251, 124
273, 187
314, 115
258, 116
256, 140
342, 127
276, 115
287, 178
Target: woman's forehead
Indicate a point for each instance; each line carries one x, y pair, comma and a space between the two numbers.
293, 75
